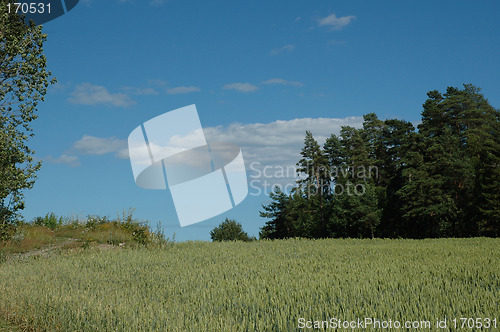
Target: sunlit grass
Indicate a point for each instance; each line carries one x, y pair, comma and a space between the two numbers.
258, 286
62, 232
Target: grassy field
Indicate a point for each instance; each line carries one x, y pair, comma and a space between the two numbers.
5, 326
256, 286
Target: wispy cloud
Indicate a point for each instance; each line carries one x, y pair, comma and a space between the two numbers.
182, 89
335, 23
275, 145
157, 82
281, 81
64, 159
141, 91
286, 48
89, 94
241, 87
279, 141
93, 145
275, 142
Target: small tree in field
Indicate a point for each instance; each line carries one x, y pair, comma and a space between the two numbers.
229, 230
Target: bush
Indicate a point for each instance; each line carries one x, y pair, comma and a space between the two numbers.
229, 230
158, 238
138, 229
93, 221
50, 220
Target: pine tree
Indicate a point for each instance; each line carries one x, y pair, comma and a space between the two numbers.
455, 195
280, 226
316, 186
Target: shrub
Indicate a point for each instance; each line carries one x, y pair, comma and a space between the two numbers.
138, 229
94, 220
50, 220
158, 239
229, 230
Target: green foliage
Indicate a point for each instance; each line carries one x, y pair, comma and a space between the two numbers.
158, 238
138, 229
388, 180
313, 165
229, 230
23, 84
93, 221
280, 226
6, 231
93, 230
455, 192
255, 286
50, 220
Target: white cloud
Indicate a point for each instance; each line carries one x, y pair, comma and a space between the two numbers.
141, 91
282, 82
64, 159
182, 89
98, 146
279, 141
287, 48
275, 145
88, 94
241, 87
335, 23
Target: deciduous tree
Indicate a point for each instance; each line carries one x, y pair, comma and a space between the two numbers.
23, 84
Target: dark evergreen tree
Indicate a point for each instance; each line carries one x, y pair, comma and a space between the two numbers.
454, 195
316, 187
397, 138
280, 226
386, 179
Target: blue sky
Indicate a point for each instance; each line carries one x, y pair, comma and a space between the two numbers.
260, 74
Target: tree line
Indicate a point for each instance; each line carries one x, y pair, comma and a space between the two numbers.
390, 179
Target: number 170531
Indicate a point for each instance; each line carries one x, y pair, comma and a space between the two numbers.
29, 8
474, 323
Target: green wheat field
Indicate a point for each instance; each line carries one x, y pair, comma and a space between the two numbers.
255, 286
